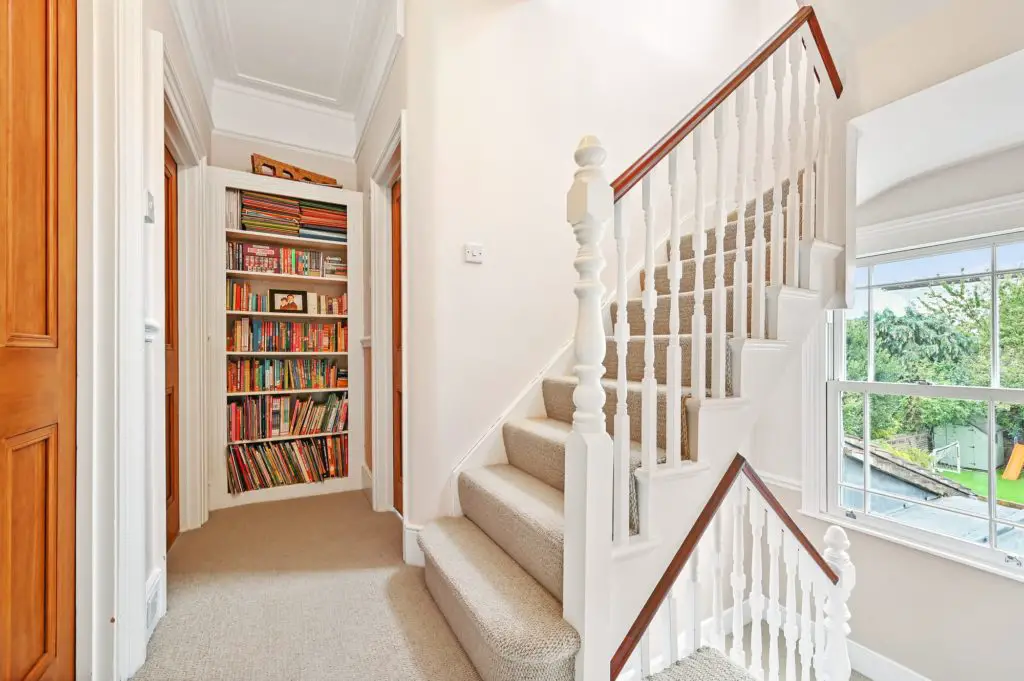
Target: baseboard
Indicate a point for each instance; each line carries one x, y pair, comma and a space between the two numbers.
368, 480
156, 599
412, 554
878, 667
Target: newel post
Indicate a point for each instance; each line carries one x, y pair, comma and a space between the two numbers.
837, 611
588, 451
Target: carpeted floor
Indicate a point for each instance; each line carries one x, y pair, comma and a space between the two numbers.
306, 590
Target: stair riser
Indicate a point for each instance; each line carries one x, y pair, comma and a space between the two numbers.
559, 405
541, 457
687, 280
537, 552
635, 314
635, 360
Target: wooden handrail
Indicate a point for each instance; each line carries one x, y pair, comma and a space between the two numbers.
646, 163
739, 466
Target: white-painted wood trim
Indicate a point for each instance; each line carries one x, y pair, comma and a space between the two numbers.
878, 667
385, 54
156, 599
380, 316
412, 554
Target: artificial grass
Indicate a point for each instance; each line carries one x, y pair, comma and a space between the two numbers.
1006, 490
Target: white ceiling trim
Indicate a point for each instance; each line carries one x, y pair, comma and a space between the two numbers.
385, 52
188, 23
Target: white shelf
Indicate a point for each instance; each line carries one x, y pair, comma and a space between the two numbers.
282, 492
285, 240
301, 391
284, 438
273, 276
284, 315
286, 353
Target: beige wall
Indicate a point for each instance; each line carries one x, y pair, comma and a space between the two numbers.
235, 151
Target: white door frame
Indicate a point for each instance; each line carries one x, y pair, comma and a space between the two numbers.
381, 335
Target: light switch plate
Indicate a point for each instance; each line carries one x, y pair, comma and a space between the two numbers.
474, 253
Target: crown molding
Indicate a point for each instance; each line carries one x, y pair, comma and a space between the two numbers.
185, 115
284, 145
385, 52
199, 56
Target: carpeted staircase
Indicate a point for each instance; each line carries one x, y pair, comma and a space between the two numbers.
496, 573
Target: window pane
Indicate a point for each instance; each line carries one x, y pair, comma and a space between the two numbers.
1010, 257
860, 277
1009, 462
851, 461
940, 519
1011, 330
1010, 538
857, 338
945, 265
937, 334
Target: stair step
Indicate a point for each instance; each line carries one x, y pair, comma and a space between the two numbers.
768, 198
635, 348
508, 624
704, 664
520, 514
558, 402
687, 279
635, 312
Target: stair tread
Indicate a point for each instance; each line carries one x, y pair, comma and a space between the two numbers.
631, 386
538, 503
705, 664
517, 617
558, 431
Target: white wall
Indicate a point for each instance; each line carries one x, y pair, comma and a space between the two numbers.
230, 150
499, 95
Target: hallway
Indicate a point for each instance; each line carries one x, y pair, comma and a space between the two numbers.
307, 590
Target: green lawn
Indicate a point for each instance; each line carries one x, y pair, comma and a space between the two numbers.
1006, 490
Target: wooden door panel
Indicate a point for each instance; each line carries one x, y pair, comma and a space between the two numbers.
37, 340
171, 344
396, 343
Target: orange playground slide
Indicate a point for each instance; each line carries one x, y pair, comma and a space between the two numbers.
1016, 464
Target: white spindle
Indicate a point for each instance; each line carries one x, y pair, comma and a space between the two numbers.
690, 607
791, 556
810, 174
777, 243
837, 622
718, 578
621, 474
821, 160
673, 439
796, 51
698, 328
739, 577
649, 387
774, 607
757, 258
718, 297
820, 592
739, 288
757, 511
588, 451
645, 655
807, 575
674, 624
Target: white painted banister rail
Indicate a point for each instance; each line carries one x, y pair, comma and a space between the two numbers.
813, 607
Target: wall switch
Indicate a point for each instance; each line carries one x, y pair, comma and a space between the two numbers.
474, 253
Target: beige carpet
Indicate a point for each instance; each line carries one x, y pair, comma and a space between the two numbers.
306, 590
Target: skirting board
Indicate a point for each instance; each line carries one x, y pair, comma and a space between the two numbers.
156, 599
411, 551
878, 667
368, 483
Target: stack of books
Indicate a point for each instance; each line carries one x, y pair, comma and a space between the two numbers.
273, 464
262, 417
247, 335
326, 221
273, 259
240, 297
248, 375
269, 213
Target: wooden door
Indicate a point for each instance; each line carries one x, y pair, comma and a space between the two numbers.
171, 336
396, 338
37, 340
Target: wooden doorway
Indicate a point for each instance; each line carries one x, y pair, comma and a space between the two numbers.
38, 103
171, 398
396, 340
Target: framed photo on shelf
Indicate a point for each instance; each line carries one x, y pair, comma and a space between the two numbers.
287, 301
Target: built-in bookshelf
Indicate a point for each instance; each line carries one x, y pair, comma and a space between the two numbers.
290, 309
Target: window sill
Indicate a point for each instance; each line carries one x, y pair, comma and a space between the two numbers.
918, 543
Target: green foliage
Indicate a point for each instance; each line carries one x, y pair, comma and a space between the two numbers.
911, 454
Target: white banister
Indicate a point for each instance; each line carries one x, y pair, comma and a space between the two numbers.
718, 297
645, 655
810, 174
757, 260
649, 386
621, 474
791, 555
807, 576
796, 52
819, 588
837, 612
776, 238
588, 450
718, 577
739, 577
691, 609
673, 438
739, 280
774, 610
756, 518
674, 626
698, 327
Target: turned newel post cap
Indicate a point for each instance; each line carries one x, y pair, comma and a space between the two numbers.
590, 197
837, 554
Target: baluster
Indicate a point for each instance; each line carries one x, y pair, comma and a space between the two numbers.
791, 555
822, 158
621, 472
673, 439
739, 288
758, 255
650, 303
756, 596
777, 243
690, 606
774, 610
718, 578
796, 51
739, 578
645, 655
837, 621
718, 297
807, 574
698, 327
819, 592
810, 174
674, 652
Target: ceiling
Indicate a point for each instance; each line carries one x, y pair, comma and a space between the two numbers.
964, 118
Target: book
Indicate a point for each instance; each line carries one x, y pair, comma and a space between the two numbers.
274, 464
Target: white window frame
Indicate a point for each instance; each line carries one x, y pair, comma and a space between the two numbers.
984, 557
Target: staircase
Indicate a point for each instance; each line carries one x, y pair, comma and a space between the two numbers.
562, 544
